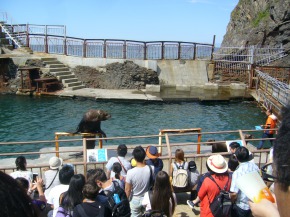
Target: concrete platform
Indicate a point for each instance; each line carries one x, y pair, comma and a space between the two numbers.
106, 94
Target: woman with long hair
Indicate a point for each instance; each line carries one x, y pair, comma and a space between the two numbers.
14, 201
21, 170
154, 200
73, 196
178, 162
117, 168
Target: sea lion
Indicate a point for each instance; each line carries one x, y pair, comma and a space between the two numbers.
218, 147
91, 123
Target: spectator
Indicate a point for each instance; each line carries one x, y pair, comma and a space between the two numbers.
14, 201
126, 165
270, 124
233, 163
40, 203
73, 196
110, 188
91, 176
138, 181
51, 178
209, 190
281, 162
90, 207
152, 154
162, 189
65, 175
200, 180
103, 182
193, 176
21, 170
117, 168
233, 146
241, 206
178, 162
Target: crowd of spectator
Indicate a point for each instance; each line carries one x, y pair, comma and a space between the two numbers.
139, 186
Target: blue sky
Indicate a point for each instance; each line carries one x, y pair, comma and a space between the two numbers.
141, 20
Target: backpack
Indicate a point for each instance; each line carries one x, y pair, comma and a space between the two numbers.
82, 212
221, 206
180, 176
151, 179
61, 212
153, 213
123, 207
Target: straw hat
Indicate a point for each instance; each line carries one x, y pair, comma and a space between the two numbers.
217, 163
152, 152
55, 163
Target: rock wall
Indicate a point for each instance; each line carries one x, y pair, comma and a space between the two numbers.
259, 22
127, 75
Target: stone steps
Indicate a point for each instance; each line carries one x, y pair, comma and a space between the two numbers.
64, 77
63, 74
61, 69
56, 65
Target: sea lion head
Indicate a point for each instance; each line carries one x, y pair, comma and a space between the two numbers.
96, 115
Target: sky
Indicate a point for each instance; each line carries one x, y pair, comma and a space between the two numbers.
140, 20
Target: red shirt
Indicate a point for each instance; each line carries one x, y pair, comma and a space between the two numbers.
208, 192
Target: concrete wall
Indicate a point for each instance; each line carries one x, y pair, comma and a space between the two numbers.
101, 62
182, 72
170, 72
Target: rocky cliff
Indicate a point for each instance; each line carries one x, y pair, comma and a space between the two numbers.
259, 22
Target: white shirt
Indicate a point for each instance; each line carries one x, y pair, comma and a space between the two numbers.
24, 174
124, 162
48, 178
54, 194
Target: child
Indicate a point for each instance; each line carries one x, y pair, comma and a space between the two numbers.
117, 168
193, 175
152, 154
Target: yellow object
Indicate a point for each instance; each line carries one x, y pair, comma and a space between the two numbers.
264, 194
133, 162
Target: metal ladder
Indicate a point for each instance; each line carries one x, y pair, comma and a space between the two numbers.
4, 23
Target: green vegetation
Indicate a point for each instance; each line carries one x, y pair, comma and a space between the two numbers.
261, 16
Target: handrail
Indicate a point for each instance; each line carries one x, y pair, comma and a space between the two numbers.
9, 35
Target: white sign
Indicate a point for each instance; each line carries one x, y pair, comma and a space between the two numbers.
97, 155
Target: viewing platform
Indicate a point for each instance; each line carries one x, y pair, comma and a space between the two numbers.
197, 150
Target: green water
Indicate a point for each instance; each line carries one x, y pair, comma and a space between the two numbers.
25, 118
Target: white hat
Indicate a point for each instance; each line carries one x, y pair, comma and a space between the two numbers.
55, 163
217, 163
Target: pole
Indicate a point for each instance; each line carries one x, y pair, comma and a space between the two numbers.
212, 49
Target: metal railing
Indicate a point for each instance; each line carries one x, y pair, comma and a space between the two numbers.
193, 138
236, 64
269, 87
53, 39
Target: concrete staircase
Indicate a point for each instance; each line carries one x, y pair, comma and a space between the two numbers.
63, 74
